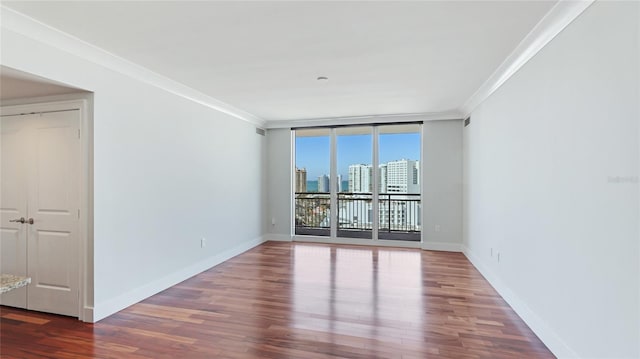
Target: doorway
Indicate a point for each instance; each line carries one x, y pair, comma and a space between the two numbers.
40, 209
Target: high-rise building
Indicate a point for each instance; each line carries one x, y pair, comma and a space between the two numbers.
325, 180
403, 176
382, 178
400, 179
301, 180
399, 183
360, 178
323, 183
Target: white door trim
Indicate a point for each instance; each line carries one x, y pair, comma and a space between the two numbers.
85, 242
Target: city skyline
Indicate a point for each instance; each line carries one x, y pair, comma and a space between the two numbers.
397, 176
312, 153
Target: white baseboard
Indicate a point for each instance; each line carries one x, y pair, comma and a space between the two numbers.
356, 241
277, 237
442, 246
114, 305
548, 336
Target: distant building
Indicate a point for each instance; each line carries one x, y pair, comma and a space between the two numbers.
398, 211
403, 176
325, 180
323, 183
400, 176
360, 178
382, 178
301, 180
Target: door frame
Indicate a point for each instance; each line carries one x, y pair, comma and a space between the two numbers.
85, 224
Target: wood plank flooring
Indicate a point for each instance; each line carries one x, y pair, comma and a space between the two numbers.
295, 300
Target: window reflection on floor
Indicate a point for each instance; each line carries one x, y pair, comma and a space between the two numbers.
400, 280
373, 292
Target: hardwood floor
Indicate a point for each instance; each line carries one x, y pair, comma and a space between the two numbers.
294, 300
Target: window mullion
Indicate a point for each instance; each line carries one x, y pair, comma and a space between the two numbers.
376, 185
333, 188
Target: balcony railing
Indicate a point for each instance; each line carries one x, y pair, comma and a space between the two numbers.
313, 213
355, 211
399, 215
399, 212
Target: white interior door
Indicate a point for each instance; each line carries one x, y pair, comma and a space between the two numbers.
13, 204
51, 176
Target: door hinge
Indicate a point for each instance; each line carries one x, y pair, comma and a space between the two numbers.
78, 133
78, 214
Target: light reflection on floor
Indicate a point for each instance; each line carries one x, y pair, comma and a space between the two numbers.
367, 292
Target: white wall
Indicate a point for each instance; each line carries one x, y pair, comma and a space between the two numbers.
442, 184
542, 158
168, 171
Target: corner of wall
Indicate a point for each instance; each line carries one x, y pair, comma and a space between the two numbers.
442, 246
549, 337
274, 237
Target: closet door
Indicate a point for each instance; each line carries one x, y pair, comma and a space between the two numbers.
13, 203
53, 204
39, 210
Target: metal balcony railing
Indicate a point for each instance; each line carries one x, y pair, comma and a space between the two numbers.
399, 214
313, 213
354, 211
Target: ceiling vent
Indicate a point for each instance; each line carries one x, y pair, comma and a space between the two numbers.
260, 131
467, 121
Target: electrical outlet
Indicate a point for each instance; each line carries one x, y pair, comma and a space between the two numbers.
437, 228
273, 221
203, 242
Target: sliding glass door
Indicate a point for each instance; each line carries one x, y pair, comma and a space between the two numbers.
354, 163
312, 194
399, 198
358, 182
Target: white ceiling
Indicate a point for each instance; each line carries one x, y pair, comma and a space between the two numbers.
16, 84
263, 57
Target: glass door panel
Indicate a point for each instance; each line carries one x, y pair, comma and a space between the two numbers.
399, 204
354, 182
312, 195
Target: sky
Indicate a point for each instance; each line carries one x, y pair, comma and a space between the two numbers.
312, 153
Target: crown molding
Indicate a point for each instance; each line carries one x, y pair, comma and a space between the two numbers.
34, 29
559, 17
355, 120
